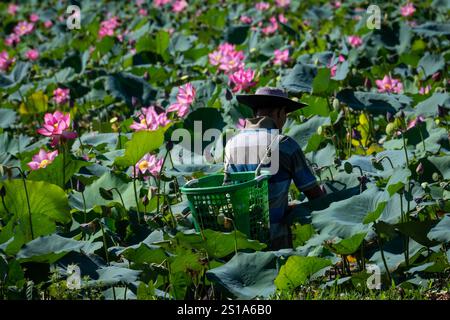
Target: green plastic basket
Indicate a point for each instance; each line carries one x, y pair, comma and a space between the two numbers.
244, 201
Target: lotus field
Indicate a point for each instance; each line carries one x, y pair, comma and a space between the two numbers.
93, 95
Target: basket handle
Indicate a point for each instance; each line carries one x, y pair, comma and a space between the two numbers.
191, 182
260, 178
268, 153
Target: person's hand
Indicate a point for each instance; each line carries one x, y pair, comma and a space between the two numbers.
315, 192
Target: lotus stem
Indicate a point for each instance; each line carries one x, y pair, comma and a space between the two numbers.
120, 196
136, 196
30, 220
389, 159
384, 259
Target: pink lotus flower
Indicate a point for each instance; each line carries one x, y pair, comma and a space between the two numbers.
415, 122
407, 10
34, 17
149, 164
242, 79
272, 28
425, 90
61, 95
150, 120
186, 94
333, 68
48, 24
108, 27
33, 55
5, 61
160, 3
282, 18
185, 97
246, 19
12, 9
42, 159
56, 126
337, 4
240, 124
139, 3
282, 3
389, 85
12, 40
181, 109
227, 58
262, 6
23, 28
281, 56
354, 41
179, 5
143, 12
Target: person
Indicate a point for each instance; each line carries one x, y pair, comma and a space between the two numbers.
260, 145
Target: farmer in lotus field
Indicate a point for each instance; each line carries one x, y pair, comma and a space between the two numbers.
260, 143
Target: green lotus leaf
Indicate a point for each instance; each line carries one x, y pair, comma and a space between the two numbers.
298, 271
247, 275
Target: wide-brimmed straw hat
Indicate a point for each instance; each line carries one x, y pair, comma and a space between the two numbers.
267, 97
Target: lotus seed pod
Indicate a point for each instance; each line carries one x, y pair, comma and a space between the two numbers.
435, 176
424, 185
437, 121
320, 130
439, 89
390, 128
336, 104
377, 164
348, 167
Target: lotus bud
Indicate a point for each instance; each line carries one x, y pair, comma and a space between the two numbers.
356, 135
320, 130
348, 167
169, 145
134, 101
389, 117
436, 176
228, 95
336, 104
420, 168
145, 200
391, 128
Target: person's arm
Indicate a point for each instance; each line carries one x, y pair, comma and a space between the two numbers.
314, 192
303, 176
